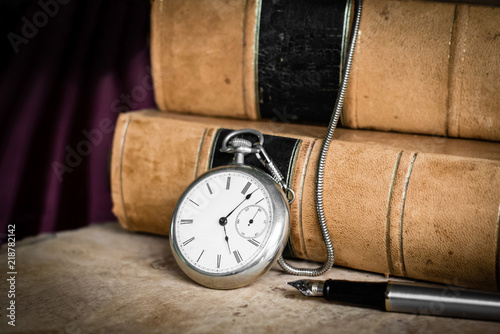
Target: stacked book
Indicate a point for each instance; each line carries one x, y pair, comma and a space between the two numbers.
412, 180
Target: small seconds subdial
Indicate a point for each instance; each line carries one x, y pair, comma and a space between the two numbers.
251, 221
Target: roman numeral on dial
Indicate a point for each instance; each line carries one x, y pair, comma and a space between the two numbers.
237, 256
254, 242
245, 188
219, 257
199, 257
187, 241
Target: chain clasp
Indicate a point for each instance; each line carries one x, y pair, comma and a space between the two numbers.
241, 147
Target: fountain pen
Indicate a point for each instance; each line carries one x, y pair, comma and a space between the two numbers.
406, 297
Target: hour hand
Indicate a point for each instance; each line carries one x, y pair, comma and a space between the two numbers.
223, 223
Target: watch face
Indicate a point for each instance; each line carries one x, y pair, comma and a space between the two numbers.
223, 222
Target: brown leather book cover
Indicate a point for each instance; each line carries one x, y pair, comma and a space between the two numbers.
423, 67
405, 205
426, 67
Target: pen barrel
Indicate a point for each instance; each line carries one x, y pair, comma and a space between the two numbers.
448, 301
361, 293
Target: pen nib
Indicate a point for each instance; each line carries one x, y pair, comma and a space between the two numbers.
308, 288
301, 286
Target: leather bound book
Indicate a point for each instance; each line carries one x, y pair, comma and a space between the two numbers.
423, 67
426, 67
406, 205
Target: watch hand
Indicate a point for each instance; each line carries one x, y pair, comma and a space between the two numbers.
251, 220
247, 197
223, 220
223, 223
227, 239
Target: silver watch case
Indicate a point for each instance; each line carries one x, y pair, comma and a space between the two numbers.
269, 253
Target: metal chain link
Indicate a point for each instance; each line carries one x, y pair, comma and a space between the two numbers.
275, 173
321, 165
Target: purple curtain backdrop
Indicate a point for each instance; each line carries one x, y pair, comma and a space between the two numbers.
69, 68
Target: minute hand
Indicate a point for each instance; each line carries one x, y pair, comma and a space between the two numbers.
247, 197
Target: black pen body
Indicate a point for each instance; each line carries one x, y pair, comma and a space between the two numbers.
360, 293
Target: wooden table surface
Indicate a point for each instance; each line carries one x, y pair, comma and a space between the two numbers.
103, 279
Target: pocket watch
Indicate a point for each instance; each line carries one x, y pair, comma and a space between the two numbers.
232, 223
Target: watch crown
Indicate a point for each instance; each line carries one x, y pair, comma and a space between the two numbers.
240, 147
240, 142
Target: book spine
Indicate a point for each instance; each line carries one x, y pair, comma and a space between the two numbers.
390, 208
420, 66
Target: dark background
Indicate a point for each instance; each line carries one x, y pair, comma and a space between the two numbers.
69, 67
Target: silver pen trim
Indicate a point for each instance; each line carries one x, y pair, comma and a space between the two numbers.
447, 301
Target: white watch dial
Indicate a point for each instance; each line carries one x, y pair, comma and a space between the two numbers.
206, 226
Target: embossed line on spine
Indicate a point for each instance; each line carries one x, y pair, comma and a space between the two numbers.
390, 265
346, 30
214, 144
344, 47
122, 148
462, 72
243, 56
401, 230
354, 77
497, 257
450, 70
258, 11
291, 162
163, 77
302, 182
289, 177
199, 152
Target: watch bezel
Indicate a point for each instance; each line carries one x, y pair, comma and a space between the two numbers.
267, 256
